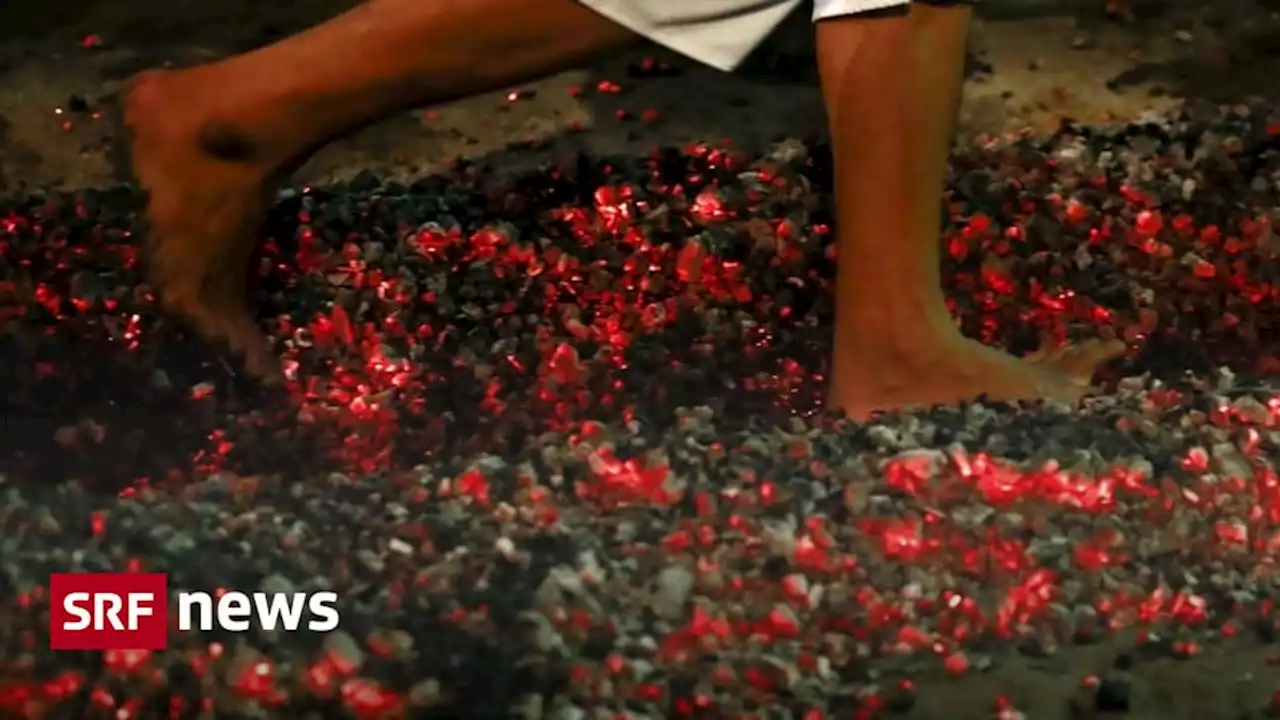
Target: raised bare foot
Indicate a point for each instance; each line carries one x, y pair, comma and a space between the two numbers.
203, 214
951, 368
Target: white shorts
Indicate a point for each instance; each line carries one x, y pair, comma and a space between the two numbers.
719, 33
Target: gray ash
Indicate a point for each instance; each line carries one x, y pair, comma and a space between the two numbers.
558, 443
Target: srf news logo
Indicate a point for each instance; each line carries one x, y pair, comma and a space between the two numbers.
130, 611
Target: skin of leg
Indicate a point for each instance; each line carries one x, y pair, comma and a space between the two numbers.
211, 162
892, 84
386, 56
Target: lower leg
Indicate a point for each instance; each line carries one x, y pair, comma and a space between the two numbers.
883, 125
892, 86
385, 56
212, 161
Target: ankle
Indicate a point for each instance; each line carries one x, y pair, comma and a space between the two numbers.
162, 104
891, 306
147, 95
901, 334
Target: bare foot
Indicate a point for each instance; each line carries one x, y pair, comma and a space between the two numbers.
203, 214
952, 368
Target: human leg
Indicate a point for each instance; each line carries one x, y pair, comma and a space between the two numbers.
213, 144
891, 81
212, 161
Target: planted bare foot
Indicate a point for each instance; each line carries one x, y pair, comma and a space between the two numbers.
950, 368
205, 207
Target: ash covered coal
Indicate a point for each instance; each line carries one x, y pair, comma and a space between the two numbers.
557, 443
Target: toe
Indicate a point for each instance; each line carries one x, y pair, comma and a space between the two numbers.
243, 336
255, 351
222, 315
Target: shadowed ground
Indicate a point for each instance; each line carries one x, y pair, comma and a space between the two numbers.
1035, 61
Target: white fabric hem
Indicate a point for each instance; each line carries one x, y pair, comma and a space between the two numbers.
691, 41
723, 38
828, 9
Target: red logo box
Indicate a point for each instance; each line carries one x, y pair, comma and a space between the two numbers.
108, 611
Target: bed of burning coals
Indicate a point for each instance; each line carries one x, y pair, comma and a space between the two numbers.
557, 445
